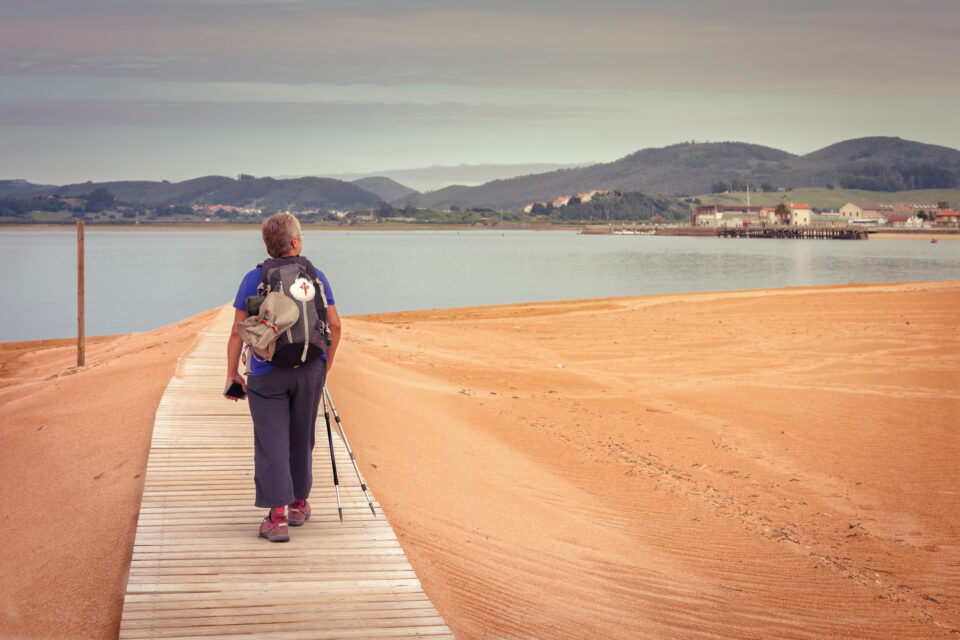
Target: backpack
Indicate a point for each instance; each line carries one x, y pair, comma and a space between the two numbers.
288, 315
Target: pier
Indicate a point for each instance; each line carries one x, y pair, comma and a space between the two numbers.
799, 233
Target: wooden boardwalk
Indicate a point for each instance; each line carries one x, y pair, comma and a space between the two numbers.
198, 567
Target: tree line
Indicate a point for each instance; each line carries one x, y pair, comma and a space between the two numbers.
618, 206
879, 177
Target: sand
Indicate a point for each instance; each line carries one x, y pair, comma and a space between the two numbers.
74, 446
735, 465
738, 465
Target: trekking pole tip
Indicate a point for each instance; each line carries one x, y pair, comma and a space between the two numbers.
340, 513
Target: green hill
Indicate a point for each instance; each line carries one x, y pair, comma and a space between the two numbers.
247, 191
692, 168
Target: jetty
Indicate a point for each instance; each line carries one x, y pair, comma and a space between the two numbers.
797, 233
199, 569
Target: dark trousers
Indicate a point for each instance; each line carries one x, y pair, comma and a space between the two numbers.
283, 403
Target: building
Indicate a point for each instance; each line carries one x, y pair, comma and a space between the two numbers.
727, 219
948, 217
873, 210
715, 215
529, 208
800, 214
913, 208
905, 222
718, 215
563, 201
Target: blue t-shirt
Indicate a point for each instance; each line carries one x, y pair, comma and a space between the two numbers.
248, 287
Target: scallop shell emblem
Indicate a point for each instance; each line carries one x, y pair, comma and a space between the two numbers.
302, 290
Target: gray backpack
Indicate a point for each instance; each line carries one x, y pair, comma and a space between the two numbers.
295, 337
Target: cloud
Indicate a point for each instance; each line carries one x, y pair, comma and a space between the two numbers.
278, 115
417, 82
793, 47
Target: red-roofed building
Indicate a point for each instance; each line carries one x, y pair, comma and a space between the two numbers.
948, 217
905, 221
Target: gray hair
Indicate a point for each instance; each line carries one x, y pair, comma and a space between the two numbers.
278, 230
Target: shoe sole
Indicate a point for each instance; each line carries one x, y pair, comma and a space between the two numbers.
297, 523
285, 538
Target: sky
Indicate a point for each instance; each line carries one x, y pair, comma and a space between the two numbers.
175, 89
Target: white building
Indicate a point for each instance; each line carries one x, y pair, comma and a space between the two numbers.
800, 214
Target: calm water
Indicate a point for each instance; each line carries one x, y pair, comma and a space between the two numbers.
140, 280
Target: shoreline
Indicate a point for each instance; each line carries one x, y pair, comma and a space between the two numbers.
623, 483
580, 228
307, 226
71, 341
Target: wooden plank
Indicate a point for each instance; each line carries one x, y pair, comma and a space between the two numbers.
241, 601
193, 577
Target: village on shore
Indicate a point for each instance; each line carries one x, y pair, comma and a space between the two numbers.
592, 210
897, 215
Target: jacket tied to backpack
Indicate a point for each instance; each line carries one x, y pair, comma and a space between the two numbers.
286, 322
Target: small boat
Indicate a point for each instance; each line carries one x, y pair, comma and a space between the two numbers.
933, 241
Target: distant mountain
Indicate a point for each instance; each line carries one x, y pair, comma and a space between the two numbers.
437, 177
18, 187
861, 157
877, 163
692, 168
298, 193
682, 168
389, 190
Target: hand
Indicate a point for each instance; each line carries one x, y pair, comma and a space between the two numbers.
234, 377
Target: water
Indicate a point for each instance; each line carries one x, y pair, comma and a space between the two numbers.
140, 280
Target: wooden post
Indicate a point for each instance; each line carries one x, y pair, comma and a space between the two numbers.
81, 338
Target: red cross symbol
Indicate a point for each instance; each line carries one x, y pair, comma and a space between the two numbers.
305, 287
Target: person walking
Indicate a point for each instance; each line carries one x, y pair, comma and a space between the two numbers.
283, 400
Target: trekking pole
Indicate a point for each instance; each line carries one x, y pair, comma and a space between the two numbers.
333, 460
363, 485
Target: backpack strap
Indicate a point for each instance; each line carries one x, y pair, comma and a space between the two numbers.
320, 301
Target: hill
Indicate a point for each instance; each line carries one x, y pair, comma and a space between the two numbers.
389, 190
438, 176
19, 187
681, 168
247, 191
876, 163
887, 161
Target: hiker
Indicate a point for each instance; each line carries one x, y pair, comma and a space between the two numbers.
283, 399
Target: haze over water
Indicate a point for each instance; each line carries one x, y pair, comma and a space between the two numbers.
141, 280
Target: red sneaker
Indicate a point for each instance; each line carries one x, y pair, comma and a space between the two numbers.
274, 530
298, 512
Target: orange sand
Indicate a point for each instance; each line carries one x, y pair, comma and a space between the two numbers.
74, 448
740, 465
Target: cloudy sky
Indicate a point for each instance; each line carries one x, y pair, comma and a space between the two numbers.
174, 89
